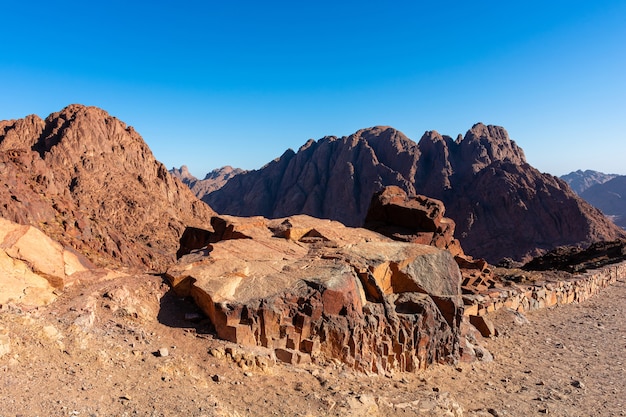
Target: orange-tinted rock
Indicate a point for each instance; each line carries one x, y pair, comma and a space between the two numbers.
35, 268
314, 289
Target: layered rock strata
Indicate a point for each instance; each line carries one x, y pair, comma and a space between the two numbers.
312, 289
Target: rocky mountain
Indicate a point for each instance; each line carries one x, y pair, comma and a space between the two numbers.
610, 197
580, 180
502, 206
214, 180
90, 182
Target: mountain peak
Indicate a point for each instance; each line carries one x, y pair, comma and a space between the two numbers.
90, 182
482, 178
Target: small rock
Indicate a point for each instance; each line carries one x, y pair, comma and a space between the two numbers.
217, 353
578, 384
163, 352
216, 378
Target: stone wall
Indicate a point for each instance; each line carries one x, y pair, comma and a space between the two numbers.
523, 298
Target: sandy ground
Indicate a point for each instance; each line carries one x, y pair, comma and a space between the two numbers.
95, 352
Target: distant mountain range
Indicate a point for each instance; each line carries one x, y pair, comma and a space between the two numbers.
604, 191
502, 206
580, 180
214, 180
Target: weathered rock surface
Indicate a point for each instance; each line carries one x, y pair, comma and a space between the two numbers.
416, 219
312, 289
90, 182
580, 180
502, 206
610, 197
214, 180
420, 219
34, 268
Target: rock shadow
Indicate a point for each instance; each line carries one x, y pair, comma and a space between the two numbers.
182, 312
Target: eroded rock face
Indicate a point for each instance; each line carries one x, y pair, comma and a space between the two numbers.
420, 219
502, 206
416, 219
34, 268
313, 289
90, 182
575, 259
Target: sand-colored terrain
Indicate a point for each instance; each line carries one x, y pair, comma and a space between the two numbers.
94, 352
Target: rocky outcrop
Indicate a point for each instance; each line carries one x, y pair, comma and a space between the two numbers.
581, 180
420, 219
214, 180
610, 197
416, 219
502, 206
310, 289
34, 268
91, 183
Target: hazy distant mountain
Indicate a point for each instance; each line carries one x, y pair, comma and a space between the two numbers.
211, 182
502, 206
90, 182
610, 197
580, 180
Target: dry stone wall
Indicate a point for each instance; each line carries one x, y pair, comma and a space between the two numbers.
523, 298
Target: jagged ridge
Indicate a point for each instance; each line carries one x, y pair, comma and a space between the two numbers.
503, 207
90, 182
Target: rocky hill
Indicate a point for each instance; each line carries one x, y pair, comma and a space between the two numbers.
580, 180
502, 206
90, 182
610, 197
214, 180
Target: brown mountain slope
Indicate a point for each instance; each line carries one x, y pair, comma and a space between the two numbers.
503, 207
90, 182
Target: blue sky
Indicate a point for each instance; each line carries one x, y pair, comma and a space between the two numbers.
236, 83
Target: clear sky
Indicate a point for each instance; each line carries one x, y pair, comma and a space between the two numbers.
213, 83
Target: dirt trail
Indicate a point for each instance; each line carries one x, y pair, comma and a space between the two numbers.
94, 352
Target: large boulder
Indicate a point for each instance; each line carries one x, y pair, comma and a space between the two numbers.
34, 268
311, 289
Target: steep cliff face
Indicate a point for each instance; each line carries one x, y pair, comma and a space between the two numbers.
90, 182
331, 178
502, 206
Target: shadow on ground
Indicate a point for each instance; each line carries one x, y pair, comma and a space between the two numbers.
182, 312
